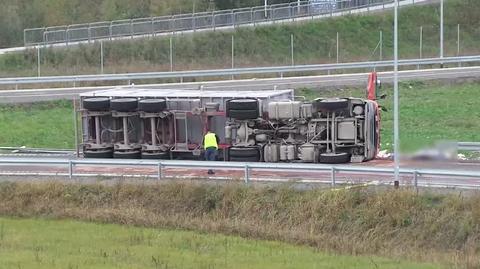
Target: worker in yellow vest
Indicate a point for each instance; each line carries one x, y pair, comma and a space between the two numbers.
210, 144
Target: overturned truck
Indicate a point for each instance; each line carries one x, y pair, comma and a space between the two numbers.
253, 126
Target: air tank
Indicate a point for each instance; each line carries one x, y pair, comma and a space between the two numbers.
291, 152
283, 153
271, 153
307, 153
228, 132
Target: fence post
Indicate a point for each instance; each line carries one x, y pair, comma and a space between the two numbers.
160, 171
233, 54
247, 174
90, 32
338, 47
421, 44
292, 49
171, 54
381, 45
333, 172
458, 43
38, 60
101, 57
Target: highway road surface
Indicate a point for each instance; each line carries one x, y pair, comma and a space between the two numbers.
104, 171
313, 82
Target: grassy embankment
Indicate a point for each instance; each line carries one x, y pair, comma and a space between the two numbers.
429, 112
314, 42
400, 225
28, 243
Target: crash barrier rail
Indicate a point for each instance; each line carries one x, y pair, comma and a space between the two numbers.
238, 71
197, 21
469, 146
248, 168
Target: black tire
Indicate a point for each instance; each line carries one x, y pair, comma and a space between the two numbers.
244, 152
331, 104
96, 104
152, 105
127, 155
245, 159
243, 114
242, 104
334, 158
98, 154
164, 155
124, 104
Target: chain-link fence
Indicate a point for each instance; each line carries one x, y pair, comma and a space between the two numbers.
279, 46
196, 21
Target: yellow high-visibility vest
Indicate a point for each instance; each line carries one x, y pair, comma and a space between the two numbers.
210, 141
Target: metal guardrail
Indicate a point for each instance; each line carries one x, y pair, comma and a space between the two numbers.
468, 146
236, 71
333, 170
195, 21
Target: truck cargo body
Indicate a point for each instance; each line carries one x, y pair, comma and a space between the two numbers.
270, 125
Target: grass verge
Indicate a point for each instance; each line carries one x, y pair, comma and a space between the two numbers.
44, 125
443, 229
29, 243
314, 42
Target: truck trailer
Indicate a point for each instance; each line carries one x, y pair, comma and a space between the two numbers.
253, 126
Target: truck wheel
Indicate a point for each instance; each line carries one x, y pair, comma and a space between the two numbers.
244, 152
127, 155
152, 105
243, 114
334, 158
242, 104
164, 155
124, 104
96, 104
98, 154
331, 104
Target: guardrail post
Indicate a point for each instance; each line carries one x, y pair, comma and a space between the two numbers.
213, 21
90, 33
415, 180
70, 169
247, 174
194, 25
110, 30
160, 171
131, 28
151, 25
333, 176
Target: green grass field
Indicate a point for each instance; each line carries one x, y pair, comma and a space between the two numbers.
429, 113
47, 125
30, 243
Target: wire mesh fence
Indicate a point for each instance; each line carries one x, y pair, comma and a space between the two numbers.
195, 21
279, 46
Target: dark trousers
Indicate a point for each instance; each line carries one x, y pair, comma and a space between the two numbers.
210, 155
